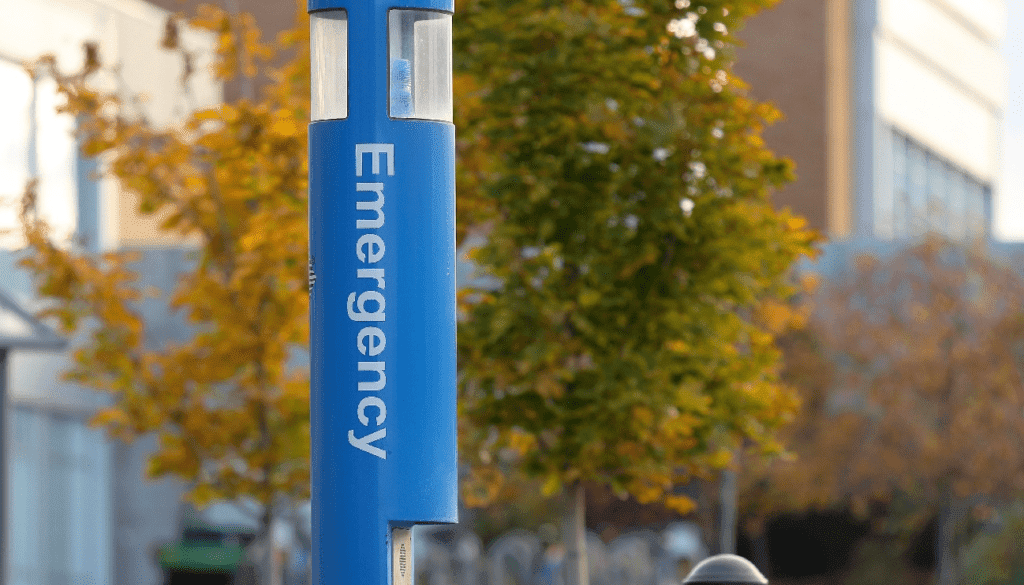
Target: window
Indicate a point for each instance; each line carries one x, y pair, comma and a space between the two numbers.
900, 186
917, 195
59, 501
956, 204
937, 180
931, 194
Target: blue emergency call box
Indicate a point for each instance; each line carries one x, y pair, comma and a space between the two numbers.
382, 284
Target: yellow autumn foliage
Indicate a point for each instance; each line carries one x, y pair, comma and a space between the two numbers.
231, 415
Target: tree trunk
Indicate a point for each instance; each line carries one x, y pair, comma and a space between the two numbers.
946, 549
761, 555
707, 515
575, 534
259, 566
727, 526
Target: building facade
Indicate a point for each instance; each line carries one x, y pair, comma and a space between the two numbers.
892, 109
79, 509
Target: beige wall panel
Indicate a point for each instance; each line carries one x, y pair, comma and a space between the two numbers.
839, 165
136, 230
272, 17
154, 73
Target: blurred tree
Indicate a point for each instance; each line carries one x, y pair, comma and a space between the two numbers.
910, 373
994, 556
614, 170
231, 414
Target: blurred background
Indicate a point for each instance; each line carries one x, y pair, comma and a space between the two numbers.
905, 120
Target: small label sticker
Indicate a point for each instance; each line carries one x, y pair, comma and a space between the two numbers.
401, 555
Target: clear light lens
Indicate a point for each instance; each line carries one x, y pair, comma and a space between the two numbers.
420, 52
328, 47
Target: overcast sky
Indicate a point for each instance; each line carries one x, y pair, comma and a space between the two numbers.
1009, 205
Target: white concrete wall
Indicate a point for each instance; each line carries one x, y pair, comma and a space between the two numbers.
987, 17
921, 102
941, 78
128, 34
941, 40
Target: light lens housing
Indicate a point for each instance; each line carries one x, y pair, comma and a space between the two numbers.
328, 46
420, 64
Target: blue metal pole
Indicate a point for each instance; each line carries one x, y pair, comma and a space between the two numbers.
382, 295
